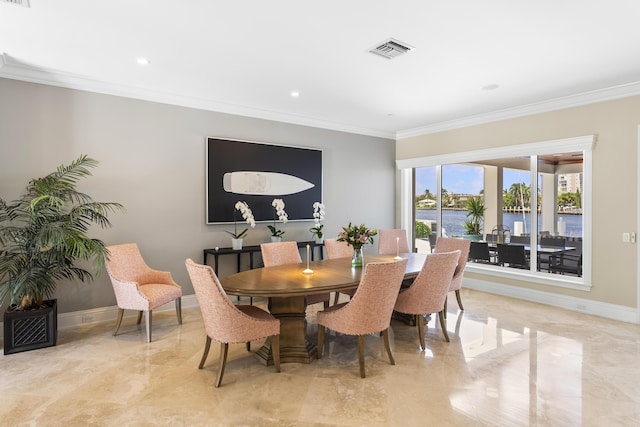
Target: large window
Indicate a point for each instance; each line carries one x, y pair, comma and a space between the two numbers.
536, 197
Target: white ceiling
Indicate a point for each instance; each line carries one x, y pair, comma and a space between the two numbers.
246, 57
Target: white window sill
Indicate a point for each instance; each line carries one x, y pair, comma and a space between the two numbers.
541, 278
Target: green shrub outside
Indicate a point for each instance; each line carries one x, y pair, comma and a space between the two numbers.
422, 230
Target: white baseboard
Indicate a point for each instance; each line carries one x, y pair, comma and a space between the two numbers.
596, 308
108, 314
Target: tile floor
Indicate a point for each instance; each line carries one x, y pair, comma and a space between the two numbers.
509, 363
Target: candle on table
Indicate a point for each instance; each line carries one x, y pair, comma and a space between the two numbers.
308, 270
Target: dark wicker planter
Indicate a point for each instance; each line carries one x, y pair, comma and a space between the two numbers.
31, 329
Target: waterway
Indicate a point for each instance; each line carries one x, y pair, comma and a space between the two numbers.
453, 221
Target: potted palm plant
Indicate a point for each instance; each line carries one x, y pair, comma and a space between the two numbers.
475, 216
43, 239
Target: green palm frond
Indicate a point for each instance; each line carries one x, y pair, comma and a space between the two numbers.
43, 235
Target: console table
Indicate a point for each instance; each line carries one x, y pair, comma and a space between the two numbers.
216, 252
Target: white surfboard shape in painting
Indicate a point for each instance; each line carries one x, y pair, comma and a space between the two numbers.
263, 183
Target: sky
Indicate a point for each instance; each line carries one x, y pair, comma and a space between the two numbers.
463, 179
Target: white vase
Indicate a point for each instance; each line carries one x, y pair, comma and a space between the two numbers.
236, 244
276, 239
319, 240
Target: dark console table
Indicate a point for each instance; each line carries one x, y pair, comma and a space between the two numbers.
251, 250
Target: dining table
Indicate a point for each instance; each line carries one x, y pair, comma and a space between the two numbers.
286, 286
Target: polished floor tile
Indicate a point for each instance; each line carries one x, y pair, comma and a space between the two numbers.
509, 363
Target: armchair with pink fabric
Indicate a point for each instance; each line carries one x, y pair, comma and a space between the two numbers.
139, 287
448, 244
229, 323
429, 291
281, 253
393, 241
370, 309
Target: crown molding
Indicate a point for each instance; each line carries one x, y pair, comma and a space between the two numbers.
592, 97
12, 69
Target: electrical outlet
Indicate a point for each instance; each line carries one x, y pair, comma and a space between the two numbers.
626, 237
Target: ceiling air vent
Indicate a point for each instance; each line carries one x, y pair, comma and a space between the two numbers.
391, 48
23, 3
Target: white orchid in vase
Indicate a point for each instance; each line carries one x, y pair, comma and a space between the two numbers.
318, 216
247, 215
278, 205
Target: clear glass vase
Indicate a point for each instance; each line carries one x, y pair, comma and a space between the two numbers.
358, 257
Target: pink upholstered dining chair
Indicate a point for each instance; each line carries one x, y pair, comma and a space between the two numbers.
280, 253
139, 287
337, 249
229, 323
429, 290
391, 242
370, 309
448, 244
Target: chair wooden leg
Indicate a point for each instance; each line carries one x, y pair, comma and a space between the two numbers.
179, 310
248, 345
336, 297
361, 354
320, 341
459, 300
443, 325
446, 299
326, 304
385, 337
147, 322
118, 320
139, 318
207, 345
420, 323
224, 348
275, 349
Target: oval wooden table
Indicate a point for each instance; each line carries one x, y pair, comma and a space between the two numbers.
287, 285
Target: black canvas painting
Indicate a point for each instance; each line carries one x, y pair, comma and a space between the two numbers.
257, 173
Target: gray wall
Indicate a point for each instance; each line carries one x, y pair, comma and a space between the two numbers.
152, 161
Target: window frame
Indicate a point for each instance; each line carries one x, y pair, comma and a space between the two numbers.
585, 143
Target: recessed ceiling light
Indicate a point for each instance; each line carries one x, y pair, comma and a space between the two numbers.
492, 86
295, 94
143, 61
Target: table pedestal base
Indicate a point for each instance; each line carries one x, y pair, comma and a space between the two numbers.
407, 319
294, 346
